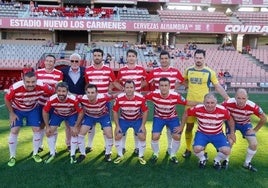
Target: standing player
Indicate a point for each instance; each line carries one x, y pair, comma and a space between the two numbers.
138, 74
50, 76
65, 107
198, 79
241, 109
165, 101
174, 76
96, 111
21, 102
130, 110
74, 76
210, 117
103, 77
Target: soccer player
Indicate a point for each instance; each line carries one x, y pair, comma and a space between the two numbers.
103, 77
210, 117
65, 107
130, 111
198, 79
74, 76
241, 108
138, 74
21, 102
96, 111
50, 76
174, 76
165, 101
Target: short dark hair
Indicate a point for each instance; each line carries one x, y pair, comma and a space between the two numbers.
62, 84
29, 74
91, 86
164, 79
164, 53
50, 55
129, 82
132, 51
200, 51
98, 50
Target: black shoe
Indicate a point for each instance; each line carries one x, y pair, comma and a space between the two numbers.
217, 165
124, 151
80, 158
187, 154
136, 151
174, 160
250, 167
224, 164
202, 164
108, 158
88, 150
40, 149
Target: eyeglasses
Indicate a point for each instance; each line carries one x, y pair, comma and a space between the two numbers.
74, 61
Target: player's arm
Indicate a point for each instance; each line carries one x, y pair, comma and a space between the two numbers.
116, 121
180, 128
144, 120
262, 121
12, 116
78, 123
231, 136
118, 86
221, 91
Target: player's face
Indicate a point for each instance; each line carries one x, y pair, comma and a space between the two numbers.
210, 104
62, 93
75, 63
131, 58
164, 87
199, 60
164, 61
49, 63
30, 83
241, 99
91, 94
129, 89
97, 58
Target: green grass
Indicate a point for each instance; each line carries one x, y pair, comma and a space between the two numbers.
94, 172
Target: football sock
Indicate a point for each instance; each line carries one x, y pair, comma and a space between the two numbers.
42, 134
52, 143
155, 146
81, 144
124, 138
175, 147
108, 145
12, 142
73, 145
250, 155
169, 138
142, 147
188, 140
220, 156
36, 142
118, 145
201, 156
136, 140
91, 134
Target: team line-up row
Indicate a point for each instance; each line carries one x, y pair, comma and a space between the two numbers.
130, 109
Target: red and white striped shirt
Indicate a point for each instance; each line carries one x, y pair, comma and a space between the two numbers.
24, 100
242, 115
100, 77
171, 73
131, 109
165, 108
67, 108
50, 78
209, 122
137, 75
97, 109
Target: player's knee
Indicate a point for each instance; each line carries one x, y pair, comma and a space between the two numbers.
155, 137
198, 149
176, 137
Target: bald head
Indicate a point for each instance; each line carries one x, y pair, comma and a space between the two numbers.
241, 97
